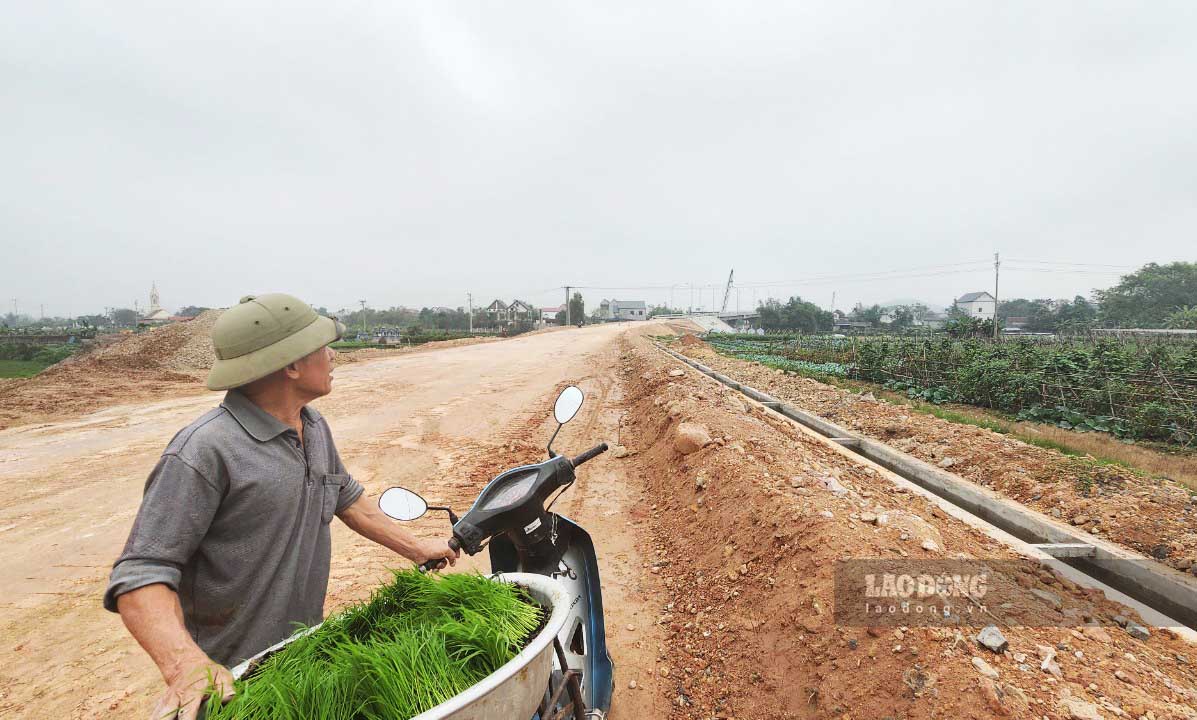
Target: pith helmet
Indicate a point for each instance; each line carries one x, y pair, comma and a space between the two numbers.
265, 333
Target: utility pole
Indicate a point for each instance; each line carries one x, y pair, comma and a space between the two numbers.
567, 318
833, 301
363, 304
996, 264
14, 309
470, 301
43, 309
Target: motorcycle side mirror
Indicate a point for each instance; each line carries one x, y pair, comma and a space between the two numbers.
569, 402
567, 405
402, 504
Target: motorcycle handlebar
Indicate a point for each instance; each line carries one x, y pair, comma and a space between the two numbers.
438, 563
590, 454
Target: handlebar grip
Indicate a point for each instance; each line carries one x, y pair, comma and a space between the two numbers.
437, 564
590, 454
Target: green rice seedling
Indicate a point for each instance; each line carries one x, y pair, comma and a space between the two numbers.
417, 642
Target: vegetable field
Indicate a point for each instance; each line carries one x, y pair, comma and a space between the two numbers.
1131, 388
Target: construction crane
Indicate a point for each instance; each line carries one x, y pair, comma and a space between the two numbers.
727, 292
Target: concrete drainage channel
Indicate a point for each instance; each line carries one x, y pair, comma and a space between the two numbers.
1159, 587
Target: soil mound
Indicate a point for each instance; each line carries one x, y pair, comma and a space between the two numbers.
689, 340
117, 369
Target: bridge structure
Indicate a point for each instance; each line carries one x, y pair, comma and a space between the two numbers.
728, 322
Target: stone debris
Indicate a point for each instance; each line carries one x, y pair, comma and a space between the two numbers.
1137, 631
992, 639
1078, 709
985, 668
690, 438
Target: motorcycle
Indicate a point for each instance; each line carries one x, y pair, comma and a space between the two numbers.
511, 518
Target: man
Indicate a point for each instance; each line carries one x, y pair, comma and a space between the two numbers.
230, 549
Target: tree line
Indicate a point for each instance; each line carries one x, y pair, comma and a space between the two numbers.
1154, 296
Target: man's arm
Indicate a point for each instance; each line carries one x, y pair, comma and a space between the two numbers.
365, 519
155, 619
176, 512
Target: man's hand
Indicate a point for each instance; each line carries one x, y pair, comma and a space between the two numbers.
187, 688
365, 519
435, 550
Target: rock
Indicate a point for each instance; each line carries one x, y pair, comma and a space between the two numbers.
1121, 620
690, 437
947, 462
882, 520
1056, 513
1048, 597
984, 668
619, 451
1124, 677
833, 485
1161, 552
677, 372
992, 639
631, 628
868, 517
700, 482
826, 513
868, 397
1137, 631
1049, 661
1093, 632
631, 684
1080, 519
1078, 709
929, 545
993, 694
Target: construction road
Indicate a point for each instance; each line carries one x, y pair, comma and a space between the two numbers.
440, 422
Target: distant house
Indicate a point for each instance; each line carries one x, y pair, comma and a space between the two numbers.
623, 310
1016, 324
845, 325
931, 319
519, 310
497, 311
549, 314
979, 305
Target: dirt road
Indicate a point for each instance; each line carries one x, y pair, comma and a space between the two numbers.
718, 555
439, 422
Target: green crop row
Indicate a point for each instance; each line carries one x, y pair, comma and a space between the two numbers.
1130, 388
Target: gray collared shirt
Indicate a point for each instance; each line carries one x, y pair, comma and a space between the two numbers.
235, 520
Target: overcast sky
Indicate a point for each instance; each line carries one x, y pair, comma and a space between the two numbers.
409, 153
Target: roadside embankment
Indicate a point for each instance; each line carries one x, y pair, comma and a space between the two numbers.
752, 520
1153, 516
